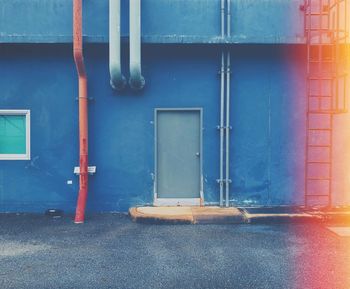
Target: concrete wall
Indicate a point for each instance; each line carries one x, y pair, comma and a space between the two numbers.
181, 60
268, 104
169, 21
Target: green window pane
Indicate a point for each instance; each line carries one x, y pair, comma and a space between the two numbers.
12, 134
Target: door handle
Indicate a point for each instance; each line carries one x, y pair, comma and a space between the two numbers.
198, 154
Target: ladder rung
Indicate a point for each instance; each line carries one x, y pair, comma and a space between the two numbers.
319, 146
322, 111
338, 111
315, 162
316, 13
320, 129
320, 29
322, 61
320, 96
318, 179
316, 196
320, 78
325, 44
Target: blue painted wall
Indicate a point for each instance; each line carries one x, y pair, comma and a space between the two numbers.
169, 21
267, 104
181, 60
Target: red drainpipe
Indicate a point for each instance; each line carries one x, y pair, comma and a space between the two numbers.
83, 110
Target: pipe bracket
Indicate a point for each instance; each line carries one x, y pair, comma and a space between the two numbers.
224, 181
88, 98
224, 127
91, 170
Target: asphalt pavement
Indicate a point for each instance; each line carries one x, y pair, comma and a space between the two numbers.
111, 251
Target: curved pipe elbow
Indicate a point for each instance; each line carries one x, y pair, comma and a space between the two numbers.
117, 81
79, 63
136, 81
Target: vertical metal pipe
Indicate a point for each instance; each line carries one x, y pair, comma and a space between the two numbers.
228, 96
118, 81
222, 10
308, 11
222, 104
137, 82
83, 110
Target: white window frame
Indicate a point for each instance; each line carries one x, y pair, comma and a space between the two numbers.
19, 112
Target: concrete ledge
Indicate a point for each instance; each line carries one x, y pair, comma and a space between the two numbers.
164, 215
282, 218
217, 215
232, 215
333, 217
187, 215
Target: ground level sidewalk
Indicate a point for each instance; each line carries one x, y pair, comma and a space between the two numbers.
111, 251
233, 215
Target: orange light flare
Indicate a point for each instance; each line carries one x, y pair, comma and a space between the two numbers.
327, 157
323, 66
341, 91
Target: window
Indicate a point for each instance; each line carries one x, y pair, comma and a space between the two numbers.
14, 134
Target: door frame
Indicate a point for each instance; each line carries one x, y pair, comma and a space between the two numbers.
179, 201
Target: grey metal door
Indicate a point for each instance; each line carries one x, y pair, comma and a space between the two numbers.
178, 153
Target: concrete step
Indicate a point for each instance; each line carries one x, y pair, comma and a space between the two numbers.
187, 215
233, 215
279, 214
282, 218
